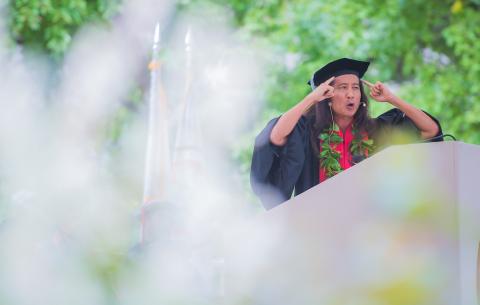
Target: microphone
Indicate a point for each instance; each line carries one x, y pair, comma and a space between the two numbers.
440, 137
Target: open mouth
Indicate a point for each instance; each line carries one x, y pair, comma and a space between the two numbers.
351, 106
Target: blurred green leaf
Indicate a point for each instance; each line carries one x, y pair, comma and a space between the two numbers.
48, 26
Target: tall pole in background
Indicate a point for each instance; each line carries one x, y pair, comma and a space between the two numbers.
187, 160
157, 161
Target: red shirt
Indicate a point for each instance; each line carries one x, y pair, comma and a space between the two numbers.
344, 149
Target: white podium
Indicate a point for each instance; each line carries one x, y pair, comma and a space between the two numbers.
402, 227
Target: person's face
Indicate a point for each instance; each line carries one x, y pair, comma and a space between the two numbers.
346, 99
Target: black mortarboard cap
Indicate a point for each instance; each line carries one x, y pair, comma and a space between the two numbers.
338, 67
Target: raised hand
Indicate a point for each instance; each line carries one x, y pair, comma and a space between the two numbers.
323, 91
379, 91
287, 121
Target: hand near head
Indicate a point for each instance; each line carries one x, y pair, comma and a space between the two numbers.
379, 92
323, 91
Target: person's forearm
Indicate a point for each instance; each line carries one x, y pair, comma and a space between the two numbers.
428, 127
288, 120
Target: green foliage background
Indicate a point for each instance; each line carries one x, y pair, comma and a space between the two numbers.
429, 50
49, 25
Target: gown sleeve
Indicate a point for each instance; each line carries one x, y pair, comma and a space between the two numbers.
276, 169
396, 119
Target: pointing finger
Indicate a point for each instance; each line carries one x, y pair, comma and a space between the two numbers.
369, 84
328, 81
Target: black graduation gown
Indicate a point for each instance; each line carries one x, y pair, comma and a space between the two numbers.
277, 171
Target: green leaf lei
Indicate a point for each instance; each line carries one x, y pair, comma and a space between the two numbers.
330, 158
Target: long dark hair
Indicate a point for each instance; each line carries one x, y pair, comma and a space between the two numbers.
320, 118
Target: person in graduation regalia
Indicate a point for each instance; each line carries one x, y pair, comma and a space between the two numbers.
329, 131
